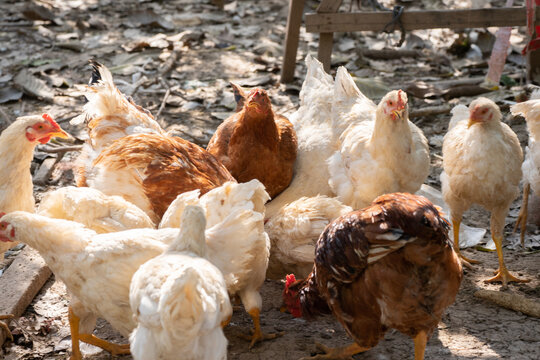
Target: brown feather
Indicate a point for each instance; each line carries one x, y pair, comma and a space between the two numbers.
168, 165
406, 289
259, 146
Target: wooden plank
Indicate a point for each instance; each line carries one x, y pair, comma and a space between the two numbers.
326, 42
294, 21
329, 6
20, 283
415, 20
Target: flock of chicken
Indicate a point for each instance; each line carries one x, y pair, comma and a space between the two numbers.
114, 239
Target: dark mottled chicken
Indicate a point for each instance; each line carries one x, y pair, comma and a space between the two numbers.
255, 143
389, 265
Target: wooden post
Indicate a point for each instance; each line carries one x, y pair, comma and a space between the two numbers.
294, 21
326, 42
326, 39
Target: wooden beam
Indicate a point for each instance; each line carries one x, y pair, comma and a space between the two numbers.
418, 19
294, 22
329, 6
20, 283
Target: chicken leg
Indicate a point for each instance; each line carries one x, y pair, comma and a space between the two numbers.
523, 212
465, 261
4, 326
420, 342
91, 339
497, 225
343, 353
258, 335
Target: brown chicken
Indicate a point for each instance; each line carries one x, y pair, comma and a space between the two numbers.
255, 143
390, 265
130, 155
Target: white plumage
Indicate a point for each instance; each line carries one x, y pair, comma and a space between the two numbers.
179, 300
235, 236
93, 209
294, 232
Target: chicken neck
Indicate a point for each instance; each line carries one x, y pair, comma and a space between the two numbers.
16, 154
392, 141
256, 129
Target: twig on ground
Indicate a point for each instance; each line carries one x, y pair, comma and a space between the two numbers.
514, 302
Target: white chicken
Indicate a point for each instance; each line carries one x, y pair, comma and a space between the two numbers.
481, 160
531, 165
294, 232
17, 144
179, 300
350, 148
93, 209
236, 240
83, 260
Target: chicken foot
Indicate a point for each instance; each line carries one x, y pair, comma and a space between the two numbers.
342, 353
523, 212
91, 339
258, 335
464, 260
4, 326
503, 274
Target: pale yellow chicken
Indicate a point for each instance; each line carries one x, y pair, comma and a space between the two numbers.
482, 165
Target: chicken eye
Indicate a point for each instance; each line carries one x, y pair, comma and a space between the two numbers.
391, 103
484, 111
425, 221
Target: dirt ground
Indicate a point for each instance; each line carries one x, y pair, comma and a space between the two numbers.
244, 43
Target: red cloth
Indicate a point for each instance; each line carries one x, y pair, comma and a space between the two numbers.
533, 31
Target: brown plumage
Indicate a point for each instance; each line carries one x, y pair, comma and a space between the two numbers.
130, 155
255, 143
389, 265
166, 165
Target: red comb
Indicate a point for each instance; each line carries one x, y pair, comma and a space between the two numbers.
400, 103
50, 120
2, 214
289, 279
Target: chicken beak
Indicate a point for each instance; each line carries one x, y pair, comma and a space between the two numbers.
398, 114
283, 308
472, 121
59, 133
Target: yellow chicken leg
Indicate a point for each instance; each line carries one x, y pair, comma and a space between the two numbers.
523, 212
258, 335
343, 353
465, 261
420, 342
4, 326
503, 274
114, 349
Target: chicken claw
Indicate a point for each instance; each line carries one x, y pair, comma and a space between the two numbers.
342, 353
464, 260
4, 326
258, 335
505, 277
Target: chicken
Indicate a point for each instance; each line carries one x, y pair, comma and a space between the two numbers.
237, 243
16, 154
93, 209
531, 166
179, 300
389, 265
17, 143
369, 150
294, 232
481, 161
84, 261
128, 154
255, 143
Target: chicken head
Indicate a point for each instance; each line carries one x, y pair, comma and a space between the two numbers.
44, 130
483, 110
7, 232
291, 296
257, 102
394, 105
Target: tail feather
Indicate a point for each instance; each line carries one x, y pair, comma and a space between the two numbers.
172, 216
459, 113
